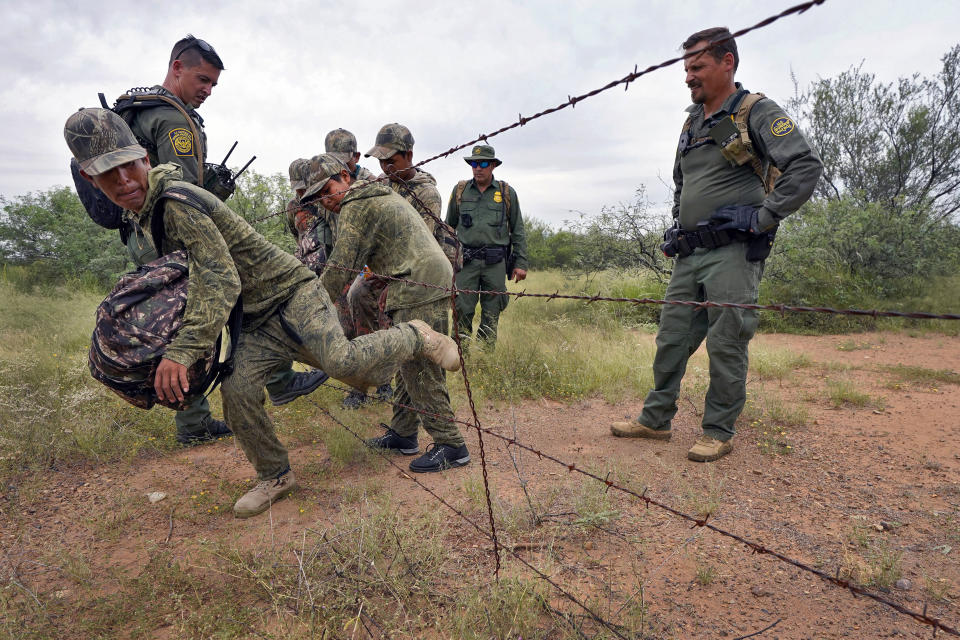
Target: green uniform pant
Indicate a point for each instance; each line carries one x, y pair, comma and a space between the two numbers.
423, 384
481, 277
319, 341
720, 275
194, 420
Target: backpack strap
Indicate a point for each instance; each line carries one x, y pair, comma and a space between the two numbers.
144, 100
458, 193
220, 370
767, 173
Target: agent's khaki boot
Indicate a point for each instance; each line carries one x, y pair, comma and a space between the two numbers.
265, 493
708, 449
634, 429
437, 348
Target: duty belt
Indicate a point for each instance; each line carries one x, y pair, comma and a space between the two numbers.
490, 254
681, 242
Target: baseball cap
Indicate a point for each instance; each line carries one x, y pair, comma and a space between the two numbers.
390, 139
297, 173
341, 144
100, 140
321, 168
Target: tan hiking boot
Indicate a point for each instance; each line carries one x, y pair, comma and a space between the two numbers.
437, 348
265, 493
708, 449
634, 429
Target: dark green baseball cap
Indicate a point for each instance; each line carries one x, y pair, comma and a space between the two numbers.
482, 152
321, 169
100, 140
391, 138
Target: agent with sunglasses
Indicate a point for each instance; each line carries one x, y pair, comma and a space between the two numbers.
486, 214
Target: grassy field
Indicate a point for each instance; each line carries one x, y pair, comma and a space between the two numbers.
366, 548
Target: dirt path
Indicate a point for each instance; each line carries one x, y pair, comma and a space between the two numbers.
871, 490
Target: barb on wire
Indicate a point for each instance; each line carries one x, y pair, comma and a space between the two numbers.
625, 81
755, 547
595, 616
782, 308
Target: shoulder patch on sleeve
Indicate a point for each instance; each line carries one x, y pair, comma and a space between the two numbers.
782, 126
182, 141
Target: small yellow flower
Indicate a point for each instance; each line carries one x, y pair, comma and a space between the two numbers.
194, 496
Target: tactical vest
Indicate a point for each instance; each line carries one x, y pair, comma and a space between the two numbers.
735, 142
143, 314
139, 98
504, 189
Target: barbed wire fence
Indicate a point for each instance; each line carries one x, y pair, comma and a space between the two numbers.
643, 497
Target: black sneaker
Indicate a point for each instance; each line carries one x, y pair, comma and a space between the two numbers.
215, 429
439, 457
384, 392
300, 384
355, 399
395, 442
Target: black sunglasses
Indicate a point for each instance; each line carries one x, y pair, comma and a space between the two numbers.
203, 45
483, 164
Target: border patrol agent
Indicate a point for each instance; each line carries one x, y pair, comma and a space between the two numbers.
287, 315
486, 215
741, 166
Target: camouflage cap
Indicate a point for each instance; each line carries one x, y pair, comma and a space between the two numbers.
390, 139
483, 152
298, 174
100, 140
341, 144
321, 168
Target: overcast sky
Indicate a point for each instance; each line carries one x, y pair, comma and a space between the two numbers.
449, 71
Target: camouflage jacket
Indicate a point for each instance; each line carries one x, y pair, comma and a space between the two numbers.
421, 191
310, 226
226, 257
167, 137
379, 229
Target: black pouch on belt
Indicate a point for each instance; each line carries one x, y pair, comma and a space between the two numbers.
493, 255
760, 245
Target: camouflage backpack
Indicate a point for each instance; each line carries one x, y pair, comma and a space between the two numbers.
142, 315
314, 239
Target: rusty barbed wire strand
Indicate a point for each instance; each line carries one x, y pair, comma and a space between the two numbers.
626, 80
755, 547
782, 308
473, 524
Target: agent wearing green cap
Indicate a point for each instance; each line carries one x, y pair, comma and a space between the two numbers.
486, 214
287, 315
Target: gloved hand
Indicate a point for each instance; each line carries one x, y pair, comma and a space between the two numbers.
736, 218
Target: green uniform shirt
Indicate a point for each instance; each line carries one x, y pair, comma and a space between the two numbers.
421, 192
706, 181
489, 226
225, 257
167, 137
378, 228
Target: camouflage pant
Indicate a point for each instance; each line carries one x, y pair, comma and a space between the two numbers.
423, 385
194, 420
721, 275
317, 339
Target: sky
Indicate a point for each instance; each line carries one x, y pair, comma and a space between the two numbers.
448, 71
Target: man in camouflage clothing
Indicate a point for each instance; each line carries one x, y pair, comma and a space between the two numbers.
379, 229
287, 315
726, 213
360, 305
486, 214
